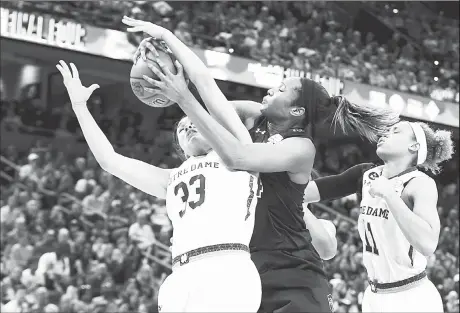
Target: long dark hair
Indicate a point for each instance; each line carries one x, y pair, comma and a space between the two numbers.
316, 101
368, 122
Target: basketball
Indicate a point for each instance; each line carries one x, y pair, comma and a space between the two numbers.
137, 81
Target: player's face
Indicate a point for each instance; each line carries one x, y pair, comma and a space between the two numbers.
278, 102
190, 140
400, 141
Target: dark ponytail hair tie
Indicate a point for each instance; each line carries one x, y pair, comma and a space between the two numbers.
336, 100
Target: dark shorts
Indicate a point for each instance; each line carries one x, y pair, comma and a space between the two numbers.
294, 290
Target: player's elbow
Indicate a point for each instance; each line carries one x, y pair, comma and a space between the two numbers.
108, 162
325, 242
428, 246
428, 240
328, 249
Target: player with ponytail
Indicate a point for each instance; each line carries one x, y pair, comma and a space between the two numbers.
287, 254
399, 223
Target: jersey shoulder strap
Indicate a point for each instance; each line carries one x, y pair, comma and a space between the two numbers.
405, 178
370, 172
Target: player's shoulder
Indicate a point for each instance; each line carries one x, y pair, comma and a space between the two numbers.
420, 181
301, 143
299, 147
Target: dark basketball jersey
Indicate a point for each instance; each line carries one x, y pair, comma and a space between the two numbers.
280, 239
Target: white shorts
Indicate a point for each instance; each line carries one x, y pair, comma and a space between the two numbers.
227, 281
424, 297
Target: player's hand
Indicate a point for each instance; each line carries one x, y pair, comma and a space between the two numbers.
153, 30
172, 86
78, 93
146, 43
149, 44
381, 187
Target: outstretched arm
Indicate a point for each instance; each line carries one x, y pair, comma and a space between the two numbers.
335, 186
146, 177
199, 74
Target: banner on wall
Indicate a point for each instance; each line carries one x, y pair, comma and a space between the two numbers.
66, 34
42, 29
409, 105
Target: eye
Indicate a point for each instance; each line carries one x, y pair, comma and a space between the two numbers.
282, 88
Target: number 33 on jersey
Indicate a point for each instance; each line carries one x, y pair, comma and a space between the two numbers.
205, 195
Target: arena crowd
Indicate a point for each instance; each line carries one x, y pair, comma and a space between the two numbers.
76, 239
421, 57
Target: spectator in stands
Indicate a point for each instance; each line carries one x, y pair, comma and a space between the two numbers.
10, 212
30, 170
53, 270
94, 202
21, 253
141, 232
85, 184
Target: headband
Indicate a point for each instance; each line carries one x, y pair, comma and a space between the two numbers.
421, 139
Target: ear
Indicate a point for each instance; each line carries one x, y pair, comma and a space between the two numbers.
297, 111
414, 147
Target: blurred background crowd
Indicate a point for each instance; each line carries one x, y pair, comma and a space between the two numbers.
84, 241
76, 239
417, 50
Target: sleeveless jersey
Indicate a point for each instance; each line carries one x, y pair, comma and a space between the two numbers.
280, 238
209, 204
387, 255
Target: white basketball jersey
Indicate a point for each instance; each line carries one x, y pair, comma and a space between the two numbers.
209, 204
387, 255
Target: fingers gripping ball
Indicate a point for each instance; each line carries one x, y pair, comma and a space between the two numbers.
141, 68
